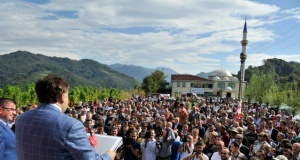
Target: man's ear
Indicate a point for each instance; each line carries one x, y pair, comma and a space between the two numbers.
63, 98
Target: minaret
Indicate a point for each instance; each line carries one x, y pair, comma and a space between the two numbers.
243, 58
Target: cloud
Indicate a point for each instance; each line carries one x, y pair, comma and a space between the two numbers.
187, 36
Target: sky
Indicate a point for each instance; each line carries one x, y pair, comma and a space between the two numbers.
188, 36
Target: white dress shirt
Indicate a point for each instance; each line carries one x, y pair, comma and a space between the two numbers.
149, 151
216, 156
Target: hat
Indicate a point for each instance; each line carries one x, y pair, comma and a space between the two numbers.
234, 130
214, 133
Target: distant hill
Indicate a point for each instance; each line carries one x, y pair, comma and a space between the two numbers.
22, 67
203, 74
139, 72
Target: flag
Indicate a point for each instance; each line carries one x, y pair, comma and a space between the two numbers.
239, 111
93, 140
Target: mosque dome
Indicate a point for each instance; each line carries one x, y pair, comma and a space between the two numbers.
234, 79
228, 88
220, 73
226, 79
216, 78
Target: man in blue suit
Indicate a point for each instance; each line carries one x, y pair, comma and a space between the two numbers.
47, 133
7, 136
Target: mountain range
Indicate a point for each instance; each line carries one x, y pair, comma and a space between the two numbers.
22, 67
139, 72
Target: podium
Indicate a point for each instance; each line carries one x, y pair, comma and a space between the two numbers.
105, 143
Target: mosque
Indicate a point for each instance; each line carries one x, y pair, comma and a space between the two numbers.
220, 83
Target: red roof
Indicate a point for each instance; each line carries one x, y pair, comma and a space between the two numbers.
187, 77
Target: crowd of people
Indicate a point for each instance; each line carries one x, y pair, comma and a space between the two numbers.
162, 130
187, 130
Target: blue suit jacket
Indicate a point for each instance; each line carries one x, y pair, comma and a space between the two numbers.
7, 143
47, 133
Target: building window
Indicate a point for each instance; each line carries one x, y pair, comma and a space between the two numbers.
231, 84
178, 84
221, 85
183, 84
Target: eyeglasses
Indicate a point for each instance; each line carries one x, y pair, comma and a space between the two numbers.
224, 153
10, 109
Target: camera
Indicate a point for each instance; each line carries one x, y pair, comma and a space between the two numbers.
185, 139
158, 144
147, 134
128, 141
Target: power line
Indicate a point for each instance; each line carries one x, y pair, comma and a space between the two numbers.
285, 47
279, 42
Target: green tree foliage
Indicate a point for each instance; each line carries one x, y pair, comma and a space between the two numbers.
78, 93
291, 95
283, 71
155, 82
263, 89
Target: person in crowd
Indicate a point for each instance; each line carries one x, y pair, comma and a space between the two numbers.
7, 136
233, 132
176, 144
288, 154
296, 151
236, 154
224, 135
252, 135
201, 128
225, 154
243, 149
261, 155
99, 129
47, 133
210, 128
198, 154
176, 124
272, 131
262, 139
187, 147
182, 114
148, 145
165, 147
114, 131
210, 146
291, 135
195, 135
132, 149
219, 146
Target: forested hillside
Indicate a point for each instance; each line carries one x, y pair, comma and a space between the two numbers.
284, 71
22, 67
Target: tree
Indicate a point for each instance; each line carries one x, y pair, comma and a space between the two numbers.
292, 95
155, 82
262, 89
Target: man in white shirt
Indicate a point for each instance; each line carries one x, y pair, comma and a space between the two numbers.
225, 154
148, 145
198, 155
219, 147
